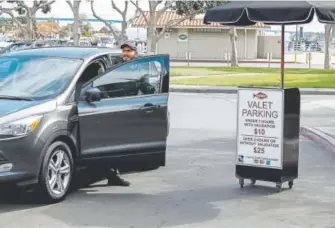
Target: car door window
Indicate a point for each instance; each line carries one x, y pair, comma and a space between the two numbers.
131, 79
95, 69
115, 59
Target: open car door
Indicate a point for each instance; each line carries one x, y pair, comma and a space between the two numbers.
131, 118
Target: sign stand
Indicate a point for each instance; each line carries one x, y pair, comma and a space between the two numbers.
268, 127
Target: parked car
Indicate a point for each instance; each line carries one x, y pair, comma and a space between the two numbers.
85, 43
43, 43
32, 44
5, 41
107, 42
65, 107
16, 46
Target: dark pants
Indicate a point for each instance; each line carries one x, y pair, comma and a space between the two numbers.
95, 174
112, 173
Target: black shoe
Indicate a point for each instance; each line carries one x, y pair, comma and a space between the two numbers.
117, 181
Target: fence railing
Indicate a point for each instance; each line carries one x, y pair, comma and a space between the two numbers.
299, 47
311, 59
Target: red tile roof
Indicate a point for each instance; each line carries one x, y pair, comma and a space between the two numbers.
193, 23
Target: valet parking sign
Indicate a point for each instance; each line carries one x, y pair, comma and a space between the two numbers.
260, 128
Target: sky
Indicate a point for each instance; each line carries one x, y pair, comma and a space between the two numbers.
104, 9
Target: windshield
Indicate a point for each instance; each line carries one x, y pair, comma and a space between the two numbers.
36, 77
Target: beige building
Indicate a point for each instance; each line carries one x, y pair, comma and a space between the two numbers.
269, 44
204, 42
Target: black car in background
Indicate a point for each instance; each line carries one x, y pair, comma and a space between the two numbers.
66, 107
16, 46
21, 45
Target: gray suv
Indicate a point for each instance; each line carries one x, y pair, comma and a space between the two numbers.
64, 107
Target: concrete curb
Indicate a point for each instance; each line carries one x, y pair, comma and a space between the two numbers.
225, 62
318, 136
203, 90
233, 90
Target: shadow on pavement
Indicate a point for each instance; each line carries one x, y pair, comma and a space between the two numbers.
12, 199
15, 199
93, 208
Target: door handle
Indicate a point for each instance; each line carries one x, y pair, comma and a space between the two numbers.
148, 108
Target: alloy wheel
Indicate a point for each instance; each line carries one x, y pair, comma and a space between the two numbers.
59, 172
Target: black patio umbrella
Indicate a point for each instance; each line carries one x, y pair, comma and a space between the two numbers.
245, 13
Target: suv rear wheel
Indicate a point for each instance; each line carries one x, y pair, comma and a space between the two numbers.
56, 173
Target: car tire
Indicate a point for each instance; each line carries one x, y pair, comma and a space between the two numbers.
56, 173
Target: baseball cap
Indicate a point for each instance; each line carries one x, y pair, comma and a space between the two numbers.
130, 44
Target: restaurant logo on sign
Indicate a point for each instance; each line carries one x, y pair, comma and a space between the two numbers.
260, 95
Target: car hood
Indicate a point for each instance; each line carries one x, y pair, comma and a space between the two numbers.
10, 106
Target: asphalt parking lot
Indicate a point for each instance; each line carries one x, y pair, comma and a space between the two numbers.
197, 188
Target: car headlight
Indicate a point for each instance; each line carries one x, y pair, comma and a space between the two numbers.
20, 127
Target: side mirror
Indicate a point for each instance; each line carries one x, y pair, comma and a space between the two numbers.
93, 95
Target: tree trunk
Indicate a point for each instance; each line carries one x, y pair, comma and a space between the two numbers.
31, 15
75, 5
327, 61
151, 34
35, 35
122, 39
152, 44
233, 39
123, 34
76, 23
30, 26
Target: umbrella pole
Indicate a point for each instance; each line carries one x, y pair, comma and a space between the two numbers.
282, 59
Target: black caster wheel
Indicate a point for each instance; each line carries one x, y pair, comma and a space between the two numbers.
278, 187
252, 182
241, 182
290, 184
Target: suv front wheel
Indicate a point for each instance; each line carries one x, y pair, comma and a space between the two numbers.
56, 173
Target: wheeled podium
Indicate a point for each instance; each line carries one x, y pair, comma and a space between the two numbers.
268, 129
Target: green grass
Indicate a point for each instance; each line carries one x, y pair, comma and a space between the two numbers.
221, 71
302, 80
